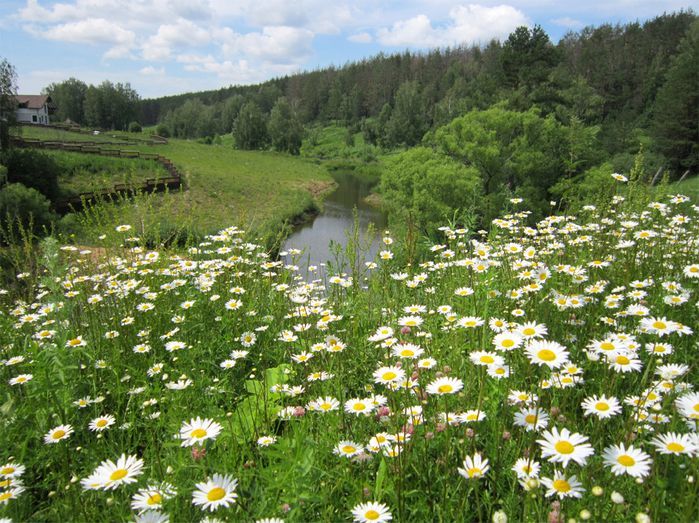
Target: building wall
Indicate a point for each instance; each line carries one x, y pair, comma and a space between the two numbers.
37, 116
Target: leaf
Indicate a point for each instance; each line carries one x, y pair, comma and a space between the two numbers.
380, 477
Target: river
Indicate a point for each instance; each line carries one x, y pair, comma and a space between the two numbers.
332, 224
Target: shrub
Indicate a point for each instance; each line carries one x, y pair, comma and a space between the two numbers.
32, 169
22, 207
162, 130
135, 127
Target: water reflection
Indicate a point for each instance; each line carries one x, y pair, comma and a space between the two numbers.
331, 225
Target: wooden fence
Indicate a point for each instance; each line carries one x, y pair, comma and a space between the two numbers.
153, 140
173, 181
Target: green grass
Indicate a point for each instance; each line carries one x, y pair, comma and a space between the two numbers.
44, 133
689, 187
259, 189
88, 172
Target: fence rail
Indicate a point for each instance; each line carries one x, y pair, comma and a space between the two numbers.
174, 180
153, 140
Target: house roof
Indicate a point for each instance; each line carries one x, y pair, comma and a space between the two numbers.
33, 101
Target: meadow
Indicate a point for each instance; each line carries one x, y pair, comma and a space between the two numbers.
224, 185
531, 372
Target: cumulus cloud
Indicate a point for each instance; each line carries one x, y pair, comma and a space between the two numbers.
469, 24
277, 44
152, 71
180, 34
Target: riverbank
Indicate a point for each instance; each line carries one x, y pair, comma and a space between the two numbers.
257, 190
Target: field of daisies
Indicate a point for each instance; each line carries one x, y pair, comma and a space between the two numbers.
534, 372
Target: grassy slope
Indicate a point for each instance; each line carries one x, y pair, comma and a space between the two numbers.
226, 186
690, 187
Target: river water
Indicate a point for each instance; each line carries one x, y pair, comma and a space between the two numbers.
332, 225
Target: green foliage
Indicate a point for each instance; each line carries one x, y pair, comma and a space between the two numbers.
109, 105
69, 98
426, 186
8, 104
33, 169
250, 131
407, 123
162, 130
676, 110
510, 151
284, 128
135, 127
528, 56
24, 208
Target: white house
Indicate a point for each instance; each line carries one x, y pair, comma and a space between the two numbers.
34, 108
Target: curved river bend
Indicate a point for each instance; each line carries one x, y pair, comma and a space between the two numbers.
333, 224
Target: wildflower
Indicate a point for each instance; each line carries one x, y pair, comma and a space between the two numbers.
102, 423
674, 443
110, 475
474, 467
627, 460
347, 449
442, 386
563, 486
20, 379
324, 404
218, 491
152, 497
526, 468
532, 418
371, 512
602, 406
57, 434
12, 470
564, 446
385, 375
198, 430
548, 353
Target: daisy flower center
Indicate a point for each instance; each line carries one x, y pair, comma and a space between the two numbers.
601, 406
487, 359
547, 355
372, 515
622, 360
528, 332
508, 343
359, 406
101, 423
118, 474
473, 472
675, 447
155, 499
59, 434
696, 407
660, 325
5, 495
7, 470
198, 433
389, 376
626, 460
606, 346
215, 494
348, 449
561, 485
564, 447
530, 418
445, 388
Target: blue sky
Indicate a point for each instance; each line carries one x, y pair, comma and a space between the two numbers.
172, 46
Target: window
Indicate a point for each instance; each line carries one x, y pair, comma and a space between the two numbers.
34, 118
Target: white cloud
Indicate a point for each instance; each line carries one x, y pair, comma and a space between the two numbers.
91, 31
360, 38
568, 22
183, 33
277, 44
472, 23
152, 71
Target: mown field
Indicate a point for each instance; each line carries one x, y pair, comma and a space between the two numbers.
537, 372
225, 185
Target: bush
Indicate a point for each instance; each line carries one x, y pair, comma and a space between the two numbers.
24, 208
32, 169
135, 127
162, 130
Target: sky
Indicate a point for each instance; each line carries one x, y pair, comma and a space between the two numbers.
164, 47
